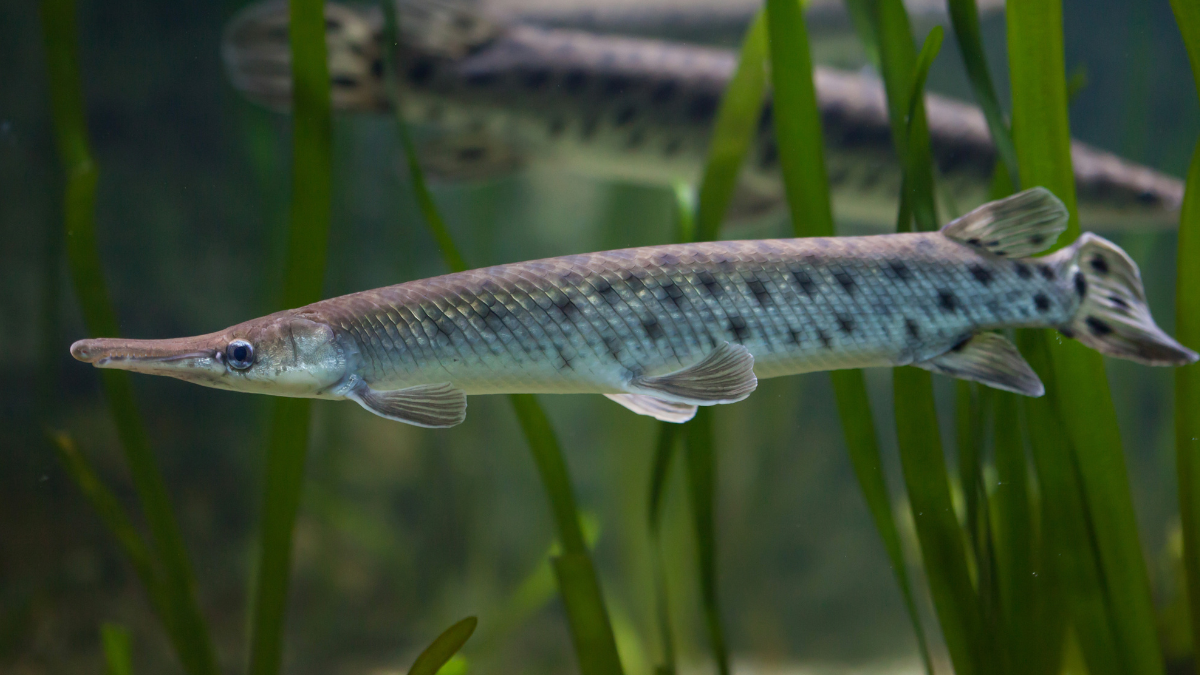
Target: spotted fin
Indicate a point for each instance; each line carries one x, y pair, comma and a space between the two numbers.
988, 358
468, 157
1113, 317
1019, 226
726, 375
663, 411
434, 406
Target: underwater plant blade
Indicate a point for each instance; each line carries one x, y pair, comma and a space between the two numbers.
797, 121
591, 628
737, 118
918, 157
304, 274
964, 17
444, 647
1042, 136
701, 479
862, 444
943, 549
118, 649
801, 155
1187, 383
188, 630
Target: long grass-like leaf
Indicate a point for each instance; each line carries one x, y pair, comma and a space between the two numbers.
118, 649
1187, 331
964, 16
1042, 136
801, 153
186, 625
701, 479
444, 647
733, 132
591, 628
304, 274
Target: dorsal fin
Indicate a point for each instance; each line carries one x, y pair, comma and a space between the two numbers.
663, 411
988, 358
434, 406
726, 375
1014, 227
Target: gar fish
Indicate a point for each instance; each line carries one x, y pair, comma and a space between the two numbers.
501, 96
663, 329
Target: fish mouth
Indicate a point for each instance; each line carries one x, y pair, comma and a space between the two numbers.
194, 359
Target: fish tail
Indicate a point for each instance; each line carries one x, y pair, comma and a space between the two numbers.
258, 56
1113, 317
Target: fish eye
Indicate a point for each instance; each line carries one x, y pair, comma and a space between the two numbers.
239, 354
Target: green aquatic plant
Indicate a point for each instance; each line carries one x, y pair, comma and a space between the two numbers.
162, 564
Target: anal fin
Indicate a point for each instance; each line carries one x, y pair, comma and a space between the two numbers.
988, 358
726, 375
434, 406
663, 411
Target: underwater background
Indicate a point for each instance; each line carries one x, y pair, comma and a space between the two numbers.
403, 531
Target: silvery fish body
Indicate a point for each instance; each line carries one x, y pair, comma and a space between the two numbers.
500, 96
663, 329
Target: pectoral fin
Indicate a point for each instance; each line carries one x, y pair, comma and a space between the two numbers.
726, 375
990, 359
664, 411
435, 406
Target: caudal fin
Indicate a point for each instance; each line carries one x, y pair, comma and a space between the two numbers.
1113, 317
258, 56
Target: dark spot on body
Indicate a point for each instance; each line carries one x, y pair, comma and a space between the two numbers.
1022, 270
737, 326
913, 330
1118, 301
1098, 327
1067, 333
332, 24
900, 270
701, 108
794, 336
1099, 264
615, 85
653, 329
805, 282
1046, 271
974, 241
845, 323
625, 115
709, 282
574, 81
344, 81
673, 292
847, 282
947, 301
613, 344
1037, 239
759, 289
1147, 198
663, 92
536, 79
1041, 302
824, 338
981, 274
1080, 285
961, 344
377, 69
606, 291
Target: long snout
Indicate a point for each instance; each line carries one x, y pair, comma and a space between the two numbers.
196, 358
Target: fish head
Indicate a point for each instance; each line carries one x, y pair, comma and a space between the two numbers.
283, 354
